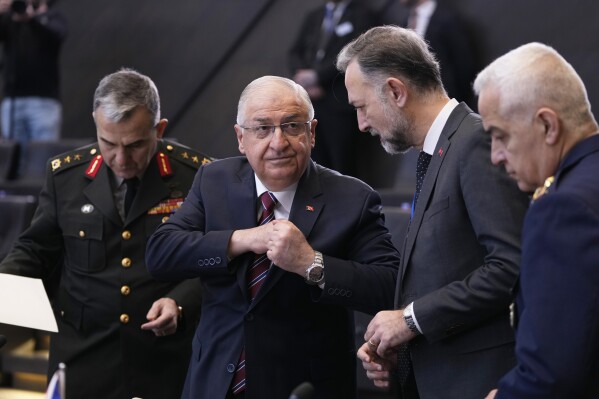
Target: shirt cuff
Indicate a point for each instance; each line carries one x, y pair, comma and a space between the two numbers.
410, 311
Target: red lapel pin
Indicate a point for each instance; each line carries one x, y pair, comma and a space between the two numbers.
441, 151
309, 208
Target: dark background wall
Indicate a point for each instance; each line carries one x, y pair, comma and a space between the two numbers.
201, 53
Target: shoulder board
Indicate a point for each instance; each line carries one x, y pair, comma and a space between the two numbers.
184, 154
544, 189
74, 157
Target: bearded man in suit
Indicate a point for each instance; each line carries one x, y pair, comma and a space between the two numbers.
450, 329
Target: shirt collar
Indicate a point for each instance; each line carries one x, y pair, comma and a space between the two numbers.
285, 197
434, 132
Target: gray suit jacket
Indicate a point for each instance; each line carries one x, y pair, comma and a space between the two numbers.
460, 261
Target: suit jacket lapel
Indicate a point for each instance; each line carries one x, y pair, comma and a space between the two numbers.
99, 192
241, 201
453, 122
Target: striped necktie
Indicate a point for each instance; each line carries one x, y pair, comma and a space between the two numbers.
256, 276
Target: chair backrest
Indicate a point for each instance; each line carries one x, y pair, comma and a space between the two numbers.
9, 158
16, 212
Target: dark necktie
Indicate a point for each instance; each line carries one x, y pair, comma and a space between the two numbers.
130, 193
328, 25
329, 12
255, 277
423, 160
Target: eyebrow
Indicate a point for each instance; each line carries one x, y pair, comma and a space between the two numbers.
284, 119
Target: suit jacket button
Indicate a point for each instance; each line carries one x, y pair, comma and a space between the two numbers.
231, 368
126, 235
126, 262
81, 233
124, 318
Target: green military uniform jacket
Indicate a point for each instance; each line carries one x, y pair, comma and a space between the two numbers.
92, 263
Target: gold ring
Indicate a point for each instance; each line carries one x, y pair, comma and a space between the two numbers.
372, 343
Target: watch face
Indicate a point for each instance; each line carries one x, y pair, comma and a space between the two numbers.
316, 273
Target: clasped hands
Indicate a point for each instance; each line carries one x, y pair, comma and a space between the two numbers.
282, 242
385, 332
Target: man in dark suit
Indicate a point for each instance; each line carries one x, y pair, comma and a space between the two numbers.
448, 38
462, 250
327, 246
323, 33
121, 333
536, 109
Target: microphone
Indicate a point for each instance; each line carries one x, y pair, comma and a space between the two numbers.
2, 340
302, 391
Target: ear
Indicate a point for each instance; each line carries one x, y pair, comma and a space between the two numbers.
160, 127
239, 134
313, 132
397, 90
550, 122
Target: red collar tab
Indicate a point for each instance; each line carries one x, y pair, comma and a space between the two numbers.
164, 165
94, 167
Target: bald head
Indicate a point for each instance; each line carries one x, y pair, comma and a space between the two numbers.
268, 83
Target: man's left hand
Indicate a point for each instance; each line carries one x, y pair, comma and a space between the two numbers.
163, 317
387, 330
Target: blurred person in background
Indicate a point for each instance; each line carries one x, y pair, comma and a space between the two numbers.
445, 31
323, 33
32, 33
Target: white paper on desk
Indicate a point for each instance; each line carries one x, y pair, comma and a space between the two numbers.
24, 302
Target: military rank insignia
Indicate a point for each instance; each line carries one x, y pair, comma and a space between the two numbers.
164, 165
544, 189
167, 206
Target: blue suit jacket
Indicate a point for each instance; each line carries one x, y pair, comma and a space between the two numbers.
557, 341
459, 263
292, 332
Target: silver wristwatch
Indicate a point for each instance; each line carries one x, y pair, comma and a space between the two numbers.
408, 316
315, 272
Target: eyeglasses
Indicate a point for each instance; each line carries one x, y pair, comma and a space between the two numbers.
291, 129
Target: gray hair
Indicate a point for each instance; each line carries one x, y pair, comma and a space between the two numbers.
534, 75
386, 51
120, 93
266, 81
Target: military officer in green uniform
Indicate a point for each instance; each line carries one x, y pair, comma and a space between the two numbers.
121, 333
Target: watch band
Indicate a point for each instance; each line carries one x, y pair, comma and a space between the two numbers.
315, 272
408, 315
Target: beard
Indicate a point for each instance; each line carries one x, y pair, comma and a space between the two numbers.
398, 138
